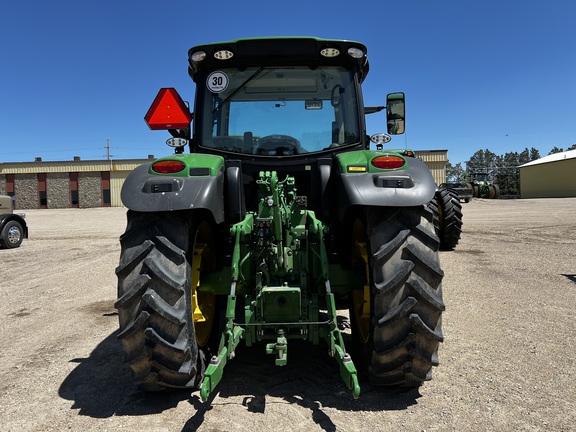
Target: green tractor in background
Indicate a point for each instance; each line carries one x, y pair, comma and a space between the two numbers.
483, 187
278, 208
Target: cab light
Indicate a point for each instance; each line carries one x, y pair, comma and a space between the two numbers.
168, 166
198, 56
356, 168
388, 162
355, 53
330, 52
223, 55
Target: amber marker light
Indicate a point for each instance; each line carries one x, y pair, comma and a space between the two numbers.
168, 166
356, 168
388, 162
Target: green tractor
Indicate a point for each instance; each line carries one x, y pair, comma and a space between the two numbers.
483, 187
278, 209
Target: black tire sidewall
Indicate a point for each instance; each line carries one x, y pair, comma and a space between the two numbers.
5, 241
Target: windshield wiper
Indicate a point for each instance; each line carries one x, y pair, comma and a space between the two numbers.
240, 87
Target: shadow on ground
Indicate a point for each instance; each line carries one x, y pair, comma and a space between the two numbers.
311, 380
100, 386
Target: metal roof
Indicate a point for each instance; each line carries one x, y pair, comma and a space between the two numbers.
70, 166
570, 154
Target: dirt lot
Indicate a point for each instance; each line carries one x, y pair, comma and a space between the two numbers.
508, 361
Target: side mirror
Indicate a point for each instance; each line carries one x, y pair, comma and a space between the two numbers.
395, 113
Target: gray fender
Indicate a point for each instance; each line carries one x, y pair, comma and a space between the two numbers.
145, 192
411, 187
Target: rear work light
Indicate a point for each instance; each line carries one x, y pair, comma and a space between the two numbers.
356, 53
330, 52
168, 166
223, 54
388, 162
198, 56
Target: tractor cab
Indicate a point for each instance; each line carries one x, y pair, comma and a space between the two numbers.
285, 97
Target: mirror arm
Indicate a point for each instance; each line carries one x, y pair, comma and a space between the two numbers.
373, 109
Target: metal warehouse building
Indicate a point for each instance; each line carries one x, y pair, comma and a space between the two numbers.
552, 176
97, 183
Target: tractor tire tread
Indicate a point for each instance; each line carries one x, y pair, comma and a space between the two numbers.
407, 296
448, 221
153, 303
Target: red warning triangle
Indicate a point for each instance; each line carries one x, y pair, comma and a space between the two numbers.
168, 111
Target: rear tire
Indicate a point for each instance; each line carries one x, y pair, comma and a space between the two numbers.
155, 301
405, 297
494, 191
448, 224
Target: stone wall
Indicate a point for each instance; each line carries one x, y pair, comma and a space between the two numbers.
26, 191
89, 185
58, 190
86, 180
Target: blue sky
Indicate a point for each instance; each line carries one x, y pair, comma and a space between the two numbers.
498, 75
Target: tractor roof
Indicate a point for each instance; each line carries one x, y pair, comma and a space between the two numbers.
278, 51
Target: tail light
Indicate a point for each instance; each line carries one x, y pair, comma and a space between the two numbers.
168, 166
388, 162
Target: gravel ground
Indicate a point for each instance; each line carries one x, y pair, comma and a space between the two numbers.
507, 363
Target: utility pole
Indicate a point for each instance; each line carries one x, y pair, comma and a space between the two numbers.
108, 155
107, 147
